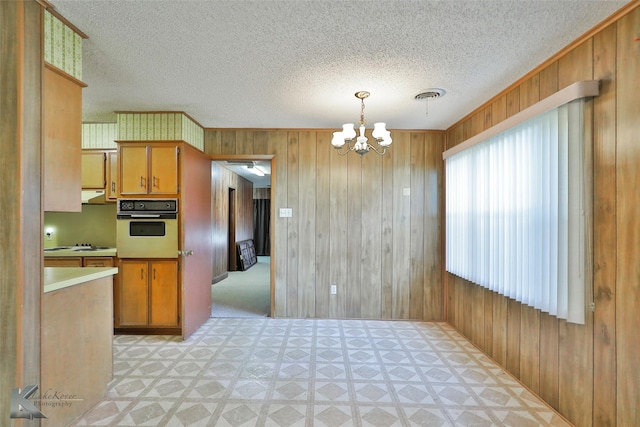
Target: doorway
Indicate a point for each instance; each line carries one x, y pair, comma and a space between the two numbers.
237, 293
231, 237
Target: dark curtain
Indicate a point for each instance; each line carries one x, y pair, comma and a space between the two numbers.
261, 220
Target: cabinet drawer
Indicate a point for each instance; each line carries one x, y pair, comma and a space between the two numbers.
63, 262
97, 262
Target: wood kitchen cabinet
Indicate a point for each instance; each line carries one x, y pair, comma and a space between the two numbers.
148, 169
112, 175
100, 171
93, 170
148, 294
62, 134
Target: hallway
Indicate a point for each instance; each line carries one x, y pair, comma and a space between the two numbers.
243, 293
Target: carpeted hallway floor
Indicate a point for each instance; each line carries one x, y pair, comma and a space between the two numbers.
243, 293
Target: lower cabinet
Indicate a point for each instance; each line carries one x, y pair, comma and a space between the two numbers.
148, 294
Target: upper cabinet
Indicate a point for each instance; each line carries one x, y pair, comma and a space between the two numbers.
100, 172
112, 175
148, 168
93, 170
61, 152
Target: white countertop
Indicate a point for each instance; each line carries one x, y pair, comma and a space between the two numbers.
56, 278
78, 253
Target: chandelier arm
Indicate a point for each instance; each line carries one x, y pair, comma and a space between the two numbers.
384, 149
346, 151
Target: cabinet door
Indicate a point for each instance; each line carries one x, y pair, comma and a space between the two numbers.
164, 170
112, 175
93, 170
133, 170
134, 291
62, 143
63, 262
163, 295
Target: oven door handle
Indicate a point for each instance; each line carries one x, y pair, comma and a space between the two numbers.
146, 216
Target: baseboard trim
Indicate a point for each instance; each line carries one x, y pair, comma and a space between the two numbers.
220, 277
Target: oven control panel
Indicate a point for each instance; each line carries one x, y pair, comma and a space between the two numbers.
139, 206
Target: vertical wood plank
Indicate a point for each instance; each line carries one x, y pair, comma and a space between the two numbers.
433, 227
549, 80
488, 321
513, 336
371, 252
499, 339
498, 110
244, 142
530, 348
530, 91
212, 141
293, 239
387, 234
278, 146
401, 225
228, 141
354, 236
416, 221
339, 220
576, 65
261, 141
549, 374
323, 223
576, 341
628, 234
307, 225
513, 101
604, 218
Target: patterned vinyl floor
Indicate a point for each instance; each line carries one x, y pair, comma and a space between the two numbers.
291, 372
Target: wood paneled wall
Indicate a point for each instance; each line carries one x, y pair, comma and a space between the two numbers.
222, 179
261, 193
587, 372
21, 70
353, 224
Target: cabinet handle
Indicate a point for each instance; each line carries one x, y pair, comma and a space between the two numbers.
155, 181
154, 274
113, 186
142, 273
142, 183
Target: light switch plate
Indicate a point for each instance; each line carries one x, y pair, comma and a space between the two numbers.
286, 212
406, 191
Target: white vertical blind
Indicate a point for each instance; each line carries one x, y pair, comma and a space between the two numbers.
514, 220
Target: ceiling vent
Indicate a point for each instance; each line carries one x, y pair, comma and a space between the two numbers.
431, 93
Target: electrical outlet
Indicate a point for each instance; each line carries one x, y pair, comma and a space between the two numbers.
334, 289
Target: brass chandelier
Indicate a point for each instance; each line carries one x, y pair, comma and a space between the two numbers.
361, 144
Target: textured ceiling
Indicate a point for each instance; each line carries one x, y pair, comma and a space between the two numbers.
297, 64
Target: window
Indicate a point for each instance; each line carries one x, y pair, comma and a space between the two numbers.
515, 212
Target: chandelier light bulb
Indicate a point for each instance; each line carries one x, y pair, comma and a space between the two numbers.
338, 140
379, 131
348, 132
